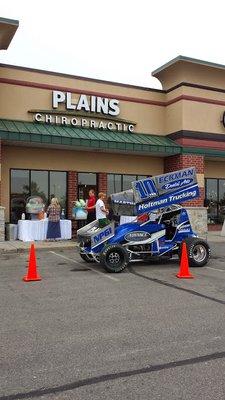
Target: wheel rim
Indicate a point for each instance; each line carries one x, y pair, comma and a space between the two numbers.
199, 253
114, 258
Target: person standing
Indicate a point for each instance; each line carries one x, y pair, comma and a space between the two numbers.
53, 212
91, 206
101, 212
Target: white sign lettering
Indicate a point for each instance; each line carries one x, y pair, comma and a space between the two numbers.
83, 122
95, 104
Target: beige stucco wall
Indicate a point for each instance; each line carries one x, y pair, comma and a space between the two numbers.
184, 71
66, 160
203, 117
174, 117
16, 100
214, 169
73, 82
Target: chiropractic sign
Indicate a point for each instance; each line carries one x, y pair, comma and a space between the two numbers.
86, 111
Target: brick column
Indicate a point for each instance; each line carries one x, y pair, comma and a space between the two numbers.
72, 195
181, 161
102, 182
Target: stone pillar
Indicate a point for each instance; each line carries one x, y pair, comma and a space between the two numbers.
2, 224
102, 182
72, 195
195, 208
0, 169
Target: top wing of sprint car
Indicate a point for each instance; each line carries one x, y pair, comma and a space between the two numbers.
160, 226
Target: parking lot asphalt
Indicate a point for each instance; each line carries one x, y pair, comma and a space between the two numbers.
81, 333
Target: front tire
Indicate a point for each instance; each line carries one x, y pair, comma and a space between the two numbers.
198, 252
114, 258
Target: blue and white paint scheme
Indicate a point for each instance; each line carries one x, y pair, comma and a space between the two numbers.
156, 197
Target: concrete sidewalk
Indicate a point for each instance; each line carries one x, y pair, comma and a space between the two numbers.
214, 236
16, 246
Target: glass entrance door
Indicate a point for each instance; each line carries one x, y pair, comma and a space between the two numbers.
86, 181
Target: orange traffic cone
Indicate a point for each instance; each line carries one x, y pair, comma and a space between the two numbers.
32, 274
184, 264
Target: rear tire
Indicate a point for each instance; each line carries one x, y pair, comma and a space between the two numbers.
114, 258
198, 252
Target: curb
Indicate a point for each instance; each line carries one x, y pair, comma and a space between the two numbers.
16, 250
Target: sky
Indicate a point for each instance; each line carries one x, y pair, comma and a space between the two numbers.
120, 41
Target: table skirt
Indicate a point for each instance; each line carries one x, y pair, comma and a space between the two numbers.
29, 231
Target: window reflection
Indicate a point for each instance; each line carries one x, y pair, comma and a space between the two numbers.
127, 180
119, 182
86, 182
114, 182
86, 178
215, 200
222, 198
19, 193
58, 187
39, 185
26, 183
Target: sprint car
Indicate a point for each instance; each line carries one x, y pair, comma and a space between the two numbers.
156, 234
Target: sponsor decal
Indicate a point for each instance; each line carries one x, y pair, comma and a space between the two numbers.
102, 235
144, 189
147, 189
177, 184
184, 173
137, 236
175, 180
169, 198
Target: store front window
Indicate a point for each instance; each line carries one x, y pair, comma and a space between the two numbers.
86, 181
215, 200
119, 182
20, 191
39, 184
26, 183
58, 187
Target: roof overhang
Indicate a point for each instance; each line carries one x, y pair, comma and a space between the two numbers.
45, 135
180, 59
8, 28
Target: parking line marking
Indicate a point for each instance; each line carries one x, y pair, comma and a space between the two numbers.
92, 269
216, 269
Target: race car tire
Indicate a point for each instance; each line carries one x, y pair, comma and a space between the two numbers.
114, 258
198, 252
87, 258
